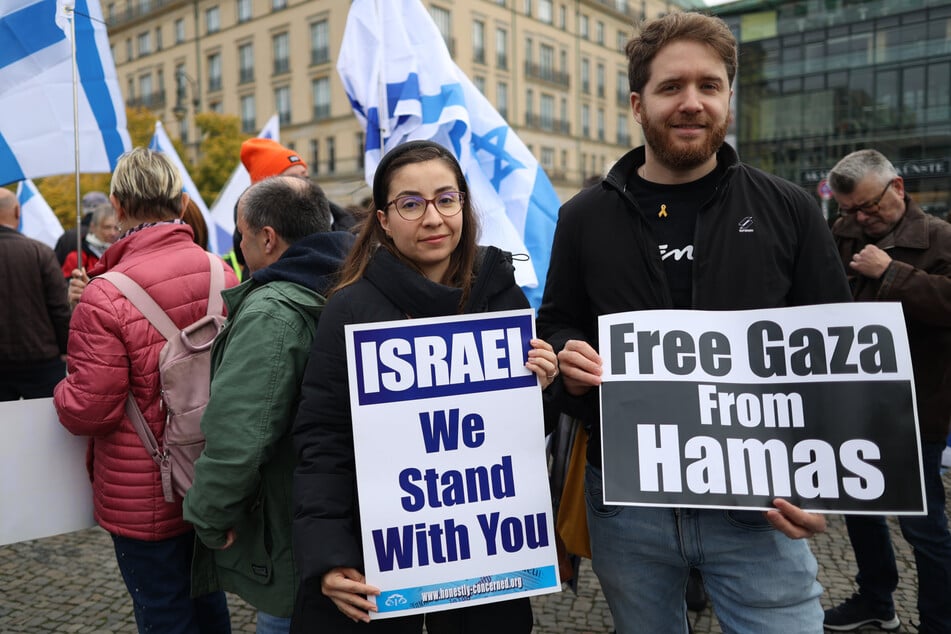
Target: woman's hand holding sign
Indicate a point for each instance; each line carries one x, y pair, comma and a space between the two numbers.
543, 362
346, 588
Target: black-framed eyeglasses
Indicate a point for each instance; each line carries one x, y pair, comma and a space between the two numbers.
414, 207
869, 208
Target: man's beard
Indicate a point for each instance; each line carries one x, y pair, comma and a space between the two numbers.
679, 156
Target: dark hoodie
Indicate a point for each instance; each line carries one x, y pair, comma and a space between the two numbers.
312, 262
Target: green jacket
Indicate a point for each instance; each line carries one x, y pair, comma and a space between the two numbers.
243, 477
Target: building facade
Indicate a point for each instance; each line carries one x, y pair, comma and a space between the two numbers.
819, 79
555, 69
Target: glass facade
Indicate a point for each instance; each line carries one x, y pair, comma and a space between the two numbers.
821, 78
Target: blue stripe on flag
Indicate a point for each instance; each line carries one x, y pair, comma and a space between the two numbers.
28, 31
9, 165
92, 77
26, 193
539, 231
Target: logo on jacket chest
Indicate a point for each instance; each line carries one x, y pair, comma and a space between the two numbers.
667, 252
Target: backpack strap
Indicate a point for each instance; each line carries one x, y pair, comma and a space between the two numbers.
216, 305
144, 303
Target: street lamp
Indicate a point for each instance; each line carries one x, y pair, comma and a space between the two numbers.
180, 110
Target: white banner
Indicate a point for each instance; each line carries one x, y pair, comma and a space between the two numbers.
450, 457
44, 487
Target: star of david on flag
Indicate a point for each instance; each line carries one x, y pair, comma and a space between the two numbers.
403, 85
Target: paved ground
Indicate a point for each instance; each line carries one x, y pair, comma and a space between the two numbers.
70, 583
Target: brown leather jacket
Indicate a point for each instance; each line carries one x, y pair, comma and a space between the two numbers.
919, 276
34, 315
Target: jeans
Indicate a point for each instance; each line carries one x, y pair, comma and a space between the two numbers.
270, 624
929, 537
158, 577
758, 580
31, 380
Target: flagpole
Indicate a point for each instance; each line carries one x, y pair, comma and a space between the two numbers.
71, 12
383, 116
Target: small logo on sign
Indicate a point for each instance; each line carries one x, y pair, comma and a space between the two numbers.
395, 600
746, 225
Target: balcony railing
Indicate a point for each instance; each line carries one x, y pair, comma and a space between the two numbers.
137, 10
246, 76
152, 101
214, 83
320, 55
545, 73
321, 112
547, 124
501, 61
282, 65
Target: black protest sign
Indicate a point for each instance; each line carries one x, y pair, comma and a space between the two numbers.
732, 409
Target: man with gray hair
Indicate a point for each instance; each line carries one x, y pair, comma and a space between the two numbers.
240, 501
892, 251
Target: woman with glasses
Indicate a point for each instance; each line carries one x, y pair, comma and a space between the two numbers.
415, 257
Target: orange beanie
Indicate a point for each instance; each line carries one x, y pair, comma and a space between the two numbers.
264, 158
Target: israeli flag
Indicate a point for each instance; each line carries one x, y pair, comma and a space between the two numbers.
161, 143
223, 208
36, 91
403, 85
37, 219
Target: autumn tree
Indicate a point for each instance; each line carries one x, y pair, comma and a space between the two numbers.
220, 152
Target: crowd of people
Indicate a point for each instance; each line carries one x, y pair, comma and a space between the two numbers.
272, 514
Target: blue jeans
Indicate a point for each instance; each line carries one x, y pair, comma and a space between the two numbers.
270, 624
158, 577
929, 537
758, 580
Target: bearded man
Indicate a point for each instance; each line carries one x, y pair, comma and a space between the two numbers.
681, 223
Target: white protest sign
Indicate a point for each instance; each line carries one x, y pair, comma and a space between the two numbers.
730, 409
450, 457
44, 488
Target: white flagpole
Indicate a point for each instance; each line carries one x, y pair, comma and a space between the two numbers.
383, 115
71, 12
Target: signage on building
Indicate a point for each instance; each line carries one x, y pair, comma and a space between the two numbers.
923, 168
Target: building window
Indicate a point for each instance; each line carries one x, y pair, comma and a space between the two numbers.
529, 46
277, 5
600, 124
623, 138
130, 90
212, 20
282, 53
502, 99
599, 32
479, 82
583, 26
585, 76
331, 155
314, 156
215, 106
478, 42
158, 38
562, 17
145, 90
528, 7
623, 89
179, 30
321, 89
248, 117
547, 158
444, 23
501, 48
282, 101
548, 112
600, 80
529, 105
544, 11
546, 60
621, 40
144, 43
586, 121
128, 49
319, 42
244, 10
246, 63
214, 72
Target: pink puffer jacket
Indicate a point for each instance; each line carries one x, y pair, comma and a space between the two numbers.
112, 349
